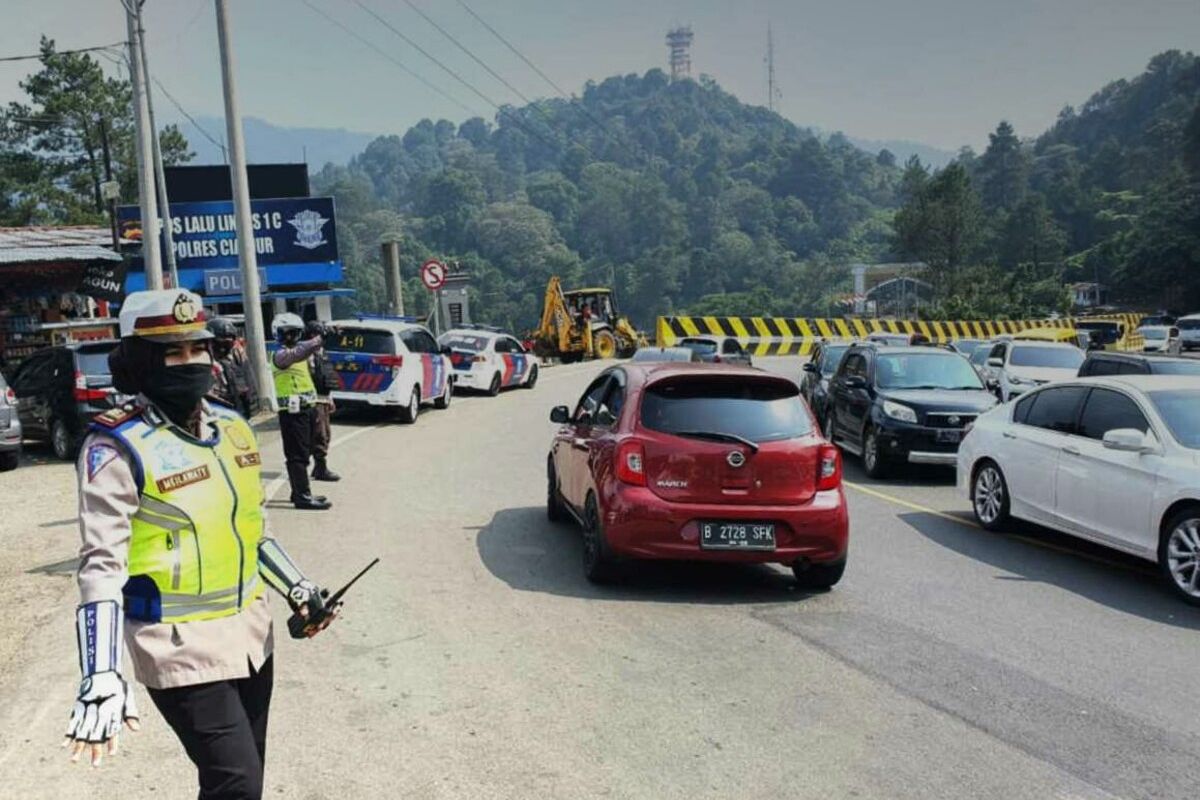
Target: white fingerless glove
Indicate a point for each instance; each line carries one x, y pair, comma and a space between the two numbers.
104, 699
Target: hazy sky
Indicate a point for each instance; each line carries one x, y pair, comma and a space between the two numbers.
942, 72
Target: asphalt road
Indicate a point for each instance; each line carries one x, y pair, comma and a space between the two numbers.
476, 662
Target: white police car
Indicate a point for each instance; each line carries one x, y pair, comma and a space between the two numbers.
488, 359
388, 361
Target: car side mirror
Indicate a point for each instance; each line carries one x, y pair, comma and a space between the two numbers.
560, 415
810, 367
1129, 440
998, 363
854, 382
445, 350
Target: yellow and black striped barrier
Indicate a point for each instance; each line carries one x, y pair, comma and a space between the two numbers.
784, 336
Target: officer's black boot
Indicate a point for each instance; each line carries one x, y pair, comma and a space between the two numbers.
306, 502
322, 472
302, 497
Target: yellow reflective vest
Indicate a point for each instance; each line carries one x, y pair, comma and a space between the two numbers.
193, 554
296, 379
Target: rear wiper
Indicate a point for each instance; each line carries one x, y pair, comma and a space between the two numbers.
720, 437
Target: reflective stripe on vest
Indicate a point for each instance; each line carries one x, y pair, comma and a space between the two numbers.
295, 379
193, 553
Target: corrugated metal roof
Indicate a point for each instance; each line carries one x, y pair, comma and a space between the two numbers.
39, 245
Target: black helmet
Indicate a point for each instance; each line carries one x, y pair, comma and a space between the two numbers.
222, 328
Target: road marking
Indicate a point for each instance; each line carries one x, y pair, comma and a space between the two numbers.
887, 498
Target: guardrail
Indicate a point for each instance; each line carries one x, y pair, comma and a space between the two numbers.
783, 336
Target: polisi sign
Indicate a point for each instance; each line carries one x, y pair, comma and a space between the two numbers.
228, 281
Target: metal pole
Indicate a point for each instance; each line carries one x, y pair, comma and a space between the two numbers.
163, 202
247, 256
391, 274
151, 254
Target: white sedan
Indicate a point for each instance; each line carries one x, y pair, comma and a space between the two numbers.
488, 360
1115, 460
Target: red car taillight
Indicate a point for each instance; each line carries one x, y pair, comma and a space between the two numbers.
83, 393
10, 396
829, 468
631, 463
716, 359
388, 361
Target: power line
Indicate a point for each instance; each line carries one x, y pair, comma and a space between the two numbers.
66, 52
179, 107
388, 56
473, 57
511, 47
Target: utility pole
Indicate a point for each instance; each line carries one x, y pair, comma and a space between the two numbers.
391, 274
247, 256
164, 202
151, 253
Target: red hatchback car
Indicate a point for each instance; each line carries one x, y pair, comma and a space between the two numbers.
706, 462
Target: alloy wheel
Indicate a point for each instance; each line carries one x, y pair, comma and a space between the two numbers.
1183, 556
871, 452
988, 495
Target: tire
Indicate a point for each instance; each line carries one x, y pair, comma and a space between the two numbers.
1179, 554
409, 414
443, 402
554, 504
989, 496
604, 344
494, 387
9, 461
531, 381
62, 441
819, 576
598, 564
873, 461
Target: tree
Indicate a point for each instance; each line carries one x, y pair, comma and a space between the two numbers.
74, 130
1003, 170
942, 226
1032, 237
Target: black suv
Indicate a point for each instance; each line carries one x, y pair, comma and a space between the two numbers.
903, 404
59, 389
814, 383
1109, 362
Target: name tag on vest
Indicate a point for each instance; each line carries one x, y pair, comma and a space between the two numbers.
180, 479
248, 459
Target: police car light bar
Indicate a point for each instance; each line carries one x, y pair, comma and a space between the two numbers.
362, 317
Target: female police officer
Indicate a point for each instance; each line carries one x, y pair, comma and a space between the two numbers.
175, 554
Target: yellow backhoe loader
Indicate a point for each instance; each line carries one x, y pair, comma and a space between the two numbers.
583, 323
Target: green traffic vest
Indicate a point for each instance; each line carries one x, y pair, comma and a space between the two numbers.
193, 554
295, 379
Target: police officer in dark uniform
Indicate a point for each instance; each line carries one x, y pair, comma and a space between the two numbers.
297, 397
325, 380
232, 383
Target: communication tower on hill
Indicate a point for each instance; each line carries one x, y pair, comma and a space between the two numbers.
679, 42
773, 93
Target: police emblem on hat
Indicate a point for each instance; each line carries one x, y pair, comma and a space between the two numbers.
185, 309
308, 225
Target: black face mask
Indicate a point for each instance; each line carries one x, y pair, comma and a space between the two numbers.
177, 391
222, 348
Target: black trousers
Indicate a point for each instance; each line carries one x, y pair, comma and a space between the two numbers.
322, 433
223, 728
297, 432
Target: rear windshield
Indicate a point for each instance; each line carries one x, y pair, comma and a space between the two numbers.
1052, 357
472, 343
361, 340
1173, 367
700, 345
93, 360
1188, 324
1155, 334
1181, 410
979, 355
761, 411
1102, 332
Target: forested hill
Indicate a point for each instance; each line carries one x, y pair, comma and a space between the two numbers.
678, 192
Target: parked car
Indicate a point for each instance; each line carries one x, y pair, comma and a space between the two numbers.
726, 350
1160, 339
389, 363
1189, 332
903, 404
1104, 334
966, 346
488, 360
814, 381
1113, 460
979, 356
1162, 318
1106, 362
10, 429
1083, 339
59, 390
666, 354
1013, 368
897, 339
698, 462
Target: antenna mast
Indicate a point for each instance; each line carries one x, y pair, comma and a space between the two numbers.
773, 93
679, 42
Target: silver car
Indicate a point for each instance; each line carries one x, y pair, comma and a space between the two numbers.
1189, 332
10, 429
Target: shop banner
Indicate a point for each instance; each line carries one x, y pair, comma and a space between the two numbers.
297, 230
105, 280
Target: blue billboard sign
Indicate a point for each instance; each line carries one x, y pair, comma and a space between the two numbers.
293, 230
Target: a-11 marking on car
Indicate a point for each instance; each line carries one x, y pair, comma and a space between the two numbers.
388, 362
488, 360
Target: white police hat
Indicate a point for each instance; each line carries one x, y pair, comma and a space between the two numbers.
164, 315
